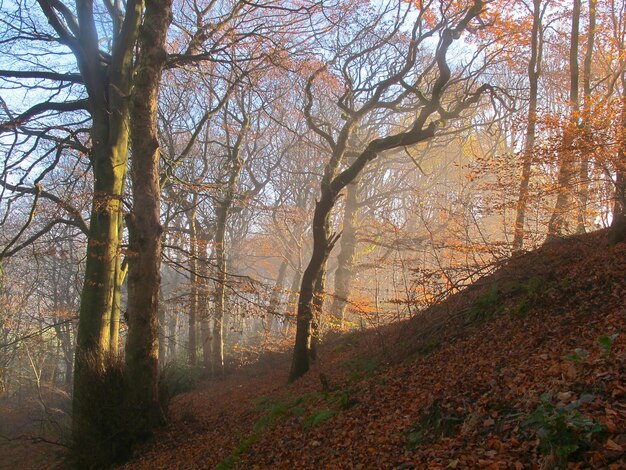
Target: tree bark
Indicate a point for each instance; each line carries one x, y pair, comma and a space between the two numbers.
277, 295
203, 299
144, 221
534, 72
345, 260
617, 231
562, 213
109, 156
220, 289
583, 192
292, 301
192, 345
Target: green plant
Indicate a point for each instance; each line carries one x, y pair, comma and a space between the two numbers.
578, 356
431, 426
319, 416
360, 367
606, 342
522, 308
343, 399
274, 412
486, 305
562, 430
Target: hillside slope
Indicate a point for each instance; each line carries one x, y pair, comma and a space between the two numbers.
524, 369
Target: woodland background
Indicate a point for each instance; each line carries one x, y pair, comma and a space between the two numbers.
162, 163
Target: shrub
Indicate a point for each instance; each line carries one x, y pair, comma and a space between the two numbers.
562, 430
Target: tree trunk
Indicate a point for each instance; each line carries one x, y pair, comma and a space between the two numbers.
220, 289
345, 260
144, 221
322, 245
203, 300
583, 192
120, 276
534, 71
617, 232
277, 295
192, 338
162, 317
319, 296
171, 339
292, 301
562, 214
96, 304
109, 91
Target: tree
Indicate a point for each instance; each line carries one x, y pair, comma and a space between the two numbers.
422, 128
560, 219
534, 72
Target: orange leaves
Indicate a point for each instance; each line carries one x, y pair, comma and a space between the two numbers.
486, 379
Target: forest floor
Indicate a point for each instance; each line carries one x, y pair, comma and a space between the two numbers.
524, 369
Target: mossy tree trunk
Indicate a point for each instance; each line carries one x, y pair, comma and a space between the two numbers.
108, 88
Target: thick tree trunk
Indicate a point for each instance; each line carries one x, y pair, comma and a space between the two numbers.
345, 260
109, 89
322, 246
96, 304
162, 336
559, 224
144, 221
534, 71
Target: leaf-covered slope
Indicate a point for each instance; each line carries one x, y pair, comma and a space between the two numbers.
526, 368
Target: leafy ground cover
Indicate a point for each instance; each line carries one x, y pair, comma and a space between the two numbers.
524, 369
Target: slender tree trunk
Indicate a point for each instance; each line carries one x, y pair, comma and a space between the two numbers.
144, 221
562, 214
534, 72
223, 212
617, 232
220, 289
419, 131
319, 296
277, 295
583, 192
171, 339
292, 301
192, 339
345, 260
203, 300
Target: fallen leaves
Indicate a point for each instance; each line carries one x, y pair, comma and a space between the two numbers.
486, 381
